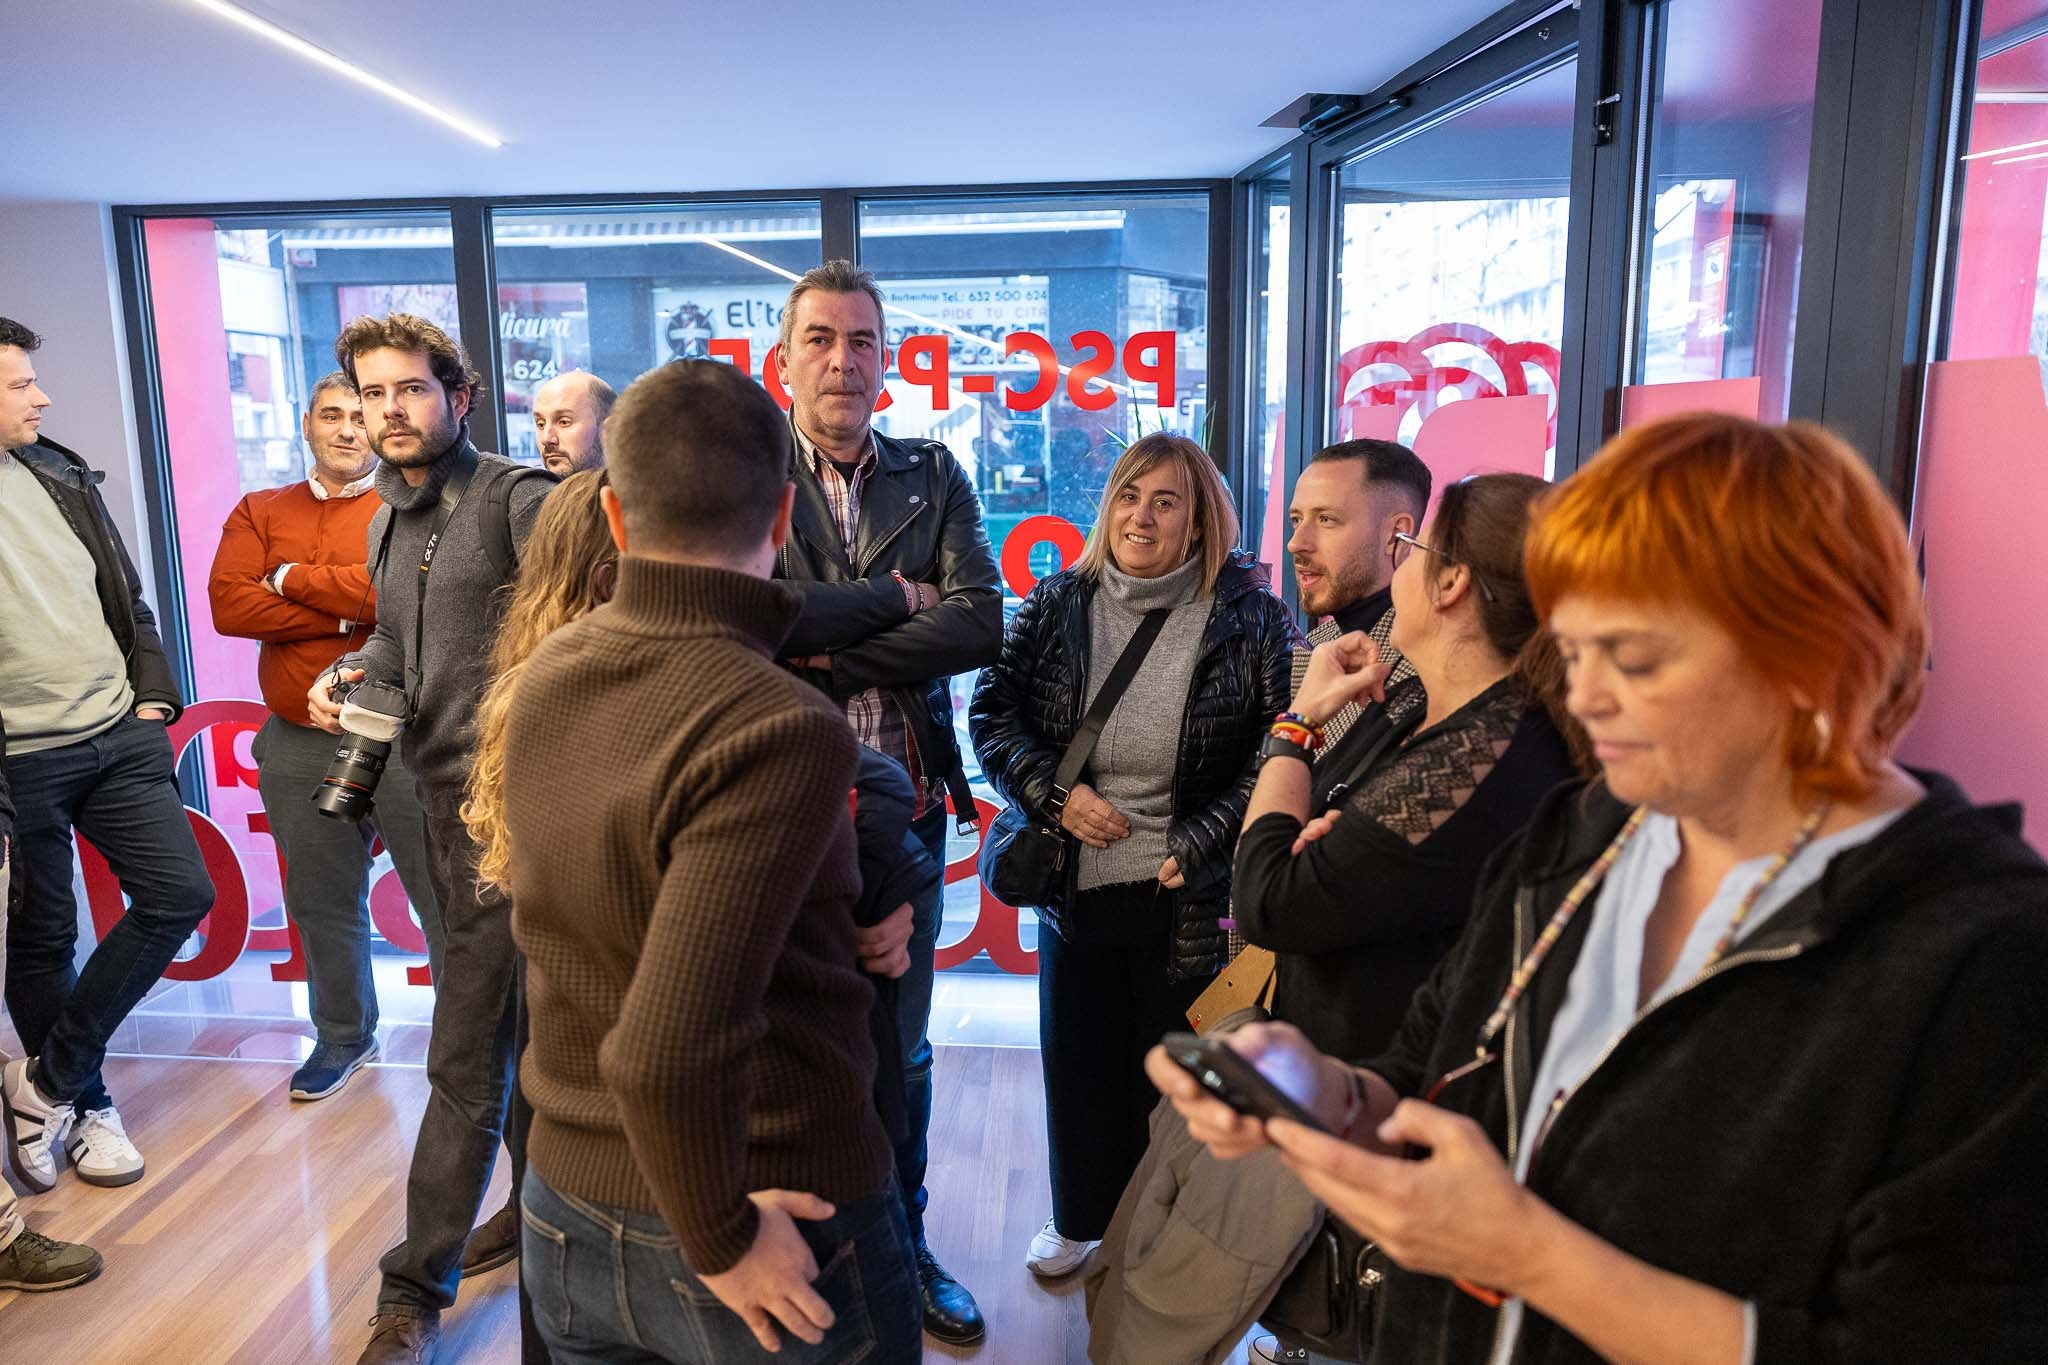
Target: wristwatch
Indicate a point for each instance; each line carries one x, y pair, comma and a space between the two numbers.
1279, 746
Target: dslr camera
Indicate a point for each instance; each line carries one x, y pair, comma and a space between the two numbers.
372, 716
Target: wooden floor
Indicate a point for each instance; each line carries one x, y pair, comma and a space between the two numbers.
255, 1236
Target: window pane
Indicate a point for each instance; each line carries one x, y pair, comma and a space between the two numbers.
1266, 350
1110, 293
1730, 137
619, 291
1116, 287
245, 312
1450, 286
1981, 482
2001, 281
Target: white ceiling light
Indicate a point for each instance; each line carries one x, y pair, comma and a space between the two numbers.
292, 41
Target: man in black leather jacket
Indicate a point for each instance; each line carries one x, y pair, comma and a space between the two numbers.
900, 593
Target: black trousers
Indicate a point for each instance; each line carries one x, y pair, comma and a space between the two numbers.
1103, 1001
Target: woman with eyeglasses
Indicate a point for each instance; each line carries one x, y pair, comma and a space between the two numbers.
1739, 1058
1438, 772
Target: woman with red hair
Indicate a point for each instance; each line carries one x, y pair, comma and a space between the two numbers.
1740, 1056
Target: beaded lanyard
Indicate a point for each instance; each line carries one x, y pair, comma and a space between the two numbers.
1588, 883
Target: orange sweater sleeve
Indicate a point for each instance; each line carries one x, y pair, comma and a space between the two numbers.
336, 589
242, 605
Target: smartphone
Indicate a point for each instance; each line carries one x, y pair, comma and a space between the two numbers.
1224, 1073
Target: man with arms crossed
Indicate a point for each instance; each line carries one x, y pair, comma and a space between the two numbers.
899, 593
292, 572
708, 1172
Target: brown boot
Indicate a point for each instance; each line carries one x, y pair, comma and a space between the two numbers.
493, 1242
402, 1339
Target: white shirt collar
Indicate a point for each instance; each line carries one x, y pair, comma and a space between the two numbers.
352, 490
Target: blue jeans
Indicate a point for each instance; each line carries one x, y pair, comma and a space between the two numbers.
119, 790
913, 1024
611, 1287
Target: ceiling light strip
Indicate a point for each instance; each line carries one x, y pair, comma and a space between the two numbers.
293, 42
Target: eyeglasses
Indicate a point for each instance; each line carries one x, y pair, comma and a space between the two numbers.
1403, 538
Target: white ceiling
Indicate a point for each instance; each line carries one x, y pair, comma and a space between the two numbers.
159, 101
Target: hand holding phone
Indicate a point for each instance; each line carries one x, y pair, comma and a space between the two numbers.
1221, 1071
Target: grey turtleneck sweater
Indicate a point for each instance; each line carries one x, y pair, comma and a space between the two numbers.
464, 606
1133, 764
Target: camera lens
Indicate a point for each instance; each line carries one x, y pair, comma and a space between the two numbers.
349, 783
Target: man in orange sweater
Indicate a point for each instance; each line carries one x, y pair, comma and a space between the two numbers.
292, 572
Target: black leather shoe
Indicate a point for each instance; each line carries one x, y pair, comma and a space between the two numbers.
950, 1313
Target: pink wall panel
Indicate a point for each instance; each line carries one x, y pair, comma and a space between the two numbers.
191, 340
1644, 403
1983, 495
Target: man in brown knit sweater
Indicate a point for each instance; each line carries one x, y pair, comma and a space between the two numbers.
683, 876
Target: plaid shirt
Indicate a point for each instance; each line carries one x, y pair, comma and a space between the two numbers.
876, 720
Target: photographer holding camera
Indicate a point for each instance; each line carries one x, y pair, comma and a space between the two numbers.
441, 547
292, 573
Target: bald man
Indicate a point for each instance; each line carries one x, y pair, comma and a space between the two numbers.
568, 413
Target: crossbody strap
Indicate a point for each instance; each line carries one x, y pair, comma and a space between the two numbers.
1083, 742
451, 500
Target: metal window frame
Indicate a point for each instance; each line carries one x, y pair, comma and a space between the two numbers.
1519, 41
1870, 279
470, 224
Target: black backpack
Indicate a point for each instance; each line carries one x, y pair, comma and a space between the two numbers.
494, 518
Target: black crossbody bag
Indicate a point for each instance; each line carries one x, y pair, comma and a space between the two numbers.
1022, 862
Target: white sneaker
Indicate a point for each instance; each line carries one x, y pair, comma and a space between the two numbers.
100, 1150
1052, 1255
35, 1127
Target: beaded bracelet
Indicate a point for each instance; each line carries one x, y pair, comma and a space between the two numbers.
1295, 732
1297, 718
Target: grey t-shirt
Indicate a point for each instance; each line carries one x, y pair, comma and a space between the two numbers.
62, 676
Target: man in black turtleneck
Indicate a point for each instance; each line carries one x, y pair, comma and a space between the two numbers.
445, 506
1349, 505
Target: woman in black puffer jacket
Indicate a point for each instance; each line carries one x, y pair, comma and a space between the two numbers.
1154, 820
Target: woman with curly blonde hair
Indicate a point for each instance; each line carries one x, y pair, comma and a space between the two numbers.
567, 567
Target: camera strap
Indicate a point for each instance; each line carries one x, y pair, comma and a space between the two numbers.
452, 494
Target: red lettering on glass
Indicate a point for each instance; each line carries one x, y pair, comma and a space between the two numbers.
227, 762
1403, 376
926, 361
922, 360
771, 379
1159, 369
1101, 354
1031, 533
264, 939
735, 351
1039, 394
392, 915
995, 924
225, 928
